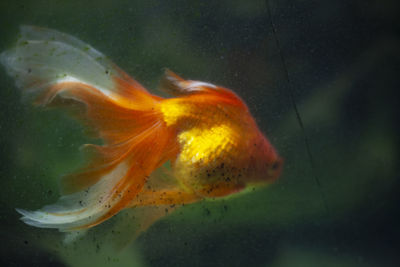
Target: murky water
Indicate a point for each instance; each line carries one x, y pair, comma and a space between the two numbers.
319, 77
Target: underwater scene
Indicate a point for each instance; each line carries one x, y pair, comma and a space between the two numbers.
199, 133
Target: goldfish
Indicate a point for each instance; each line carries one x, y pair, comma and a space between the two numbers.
205, 133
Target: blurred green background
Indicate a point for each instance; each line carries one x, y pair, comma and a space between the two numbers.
343, 61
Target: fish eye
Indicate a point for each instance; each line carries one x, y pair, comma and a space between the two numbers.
276, 165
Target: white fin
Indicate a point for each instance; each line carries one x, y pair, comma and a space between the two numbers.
43, 57
177, 86
78, 209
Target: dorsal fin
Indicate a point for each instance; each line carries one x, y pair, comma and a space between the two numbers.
170, 83
177, 86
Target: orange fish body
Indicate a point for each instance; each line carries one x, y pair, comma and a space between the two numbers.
206, 132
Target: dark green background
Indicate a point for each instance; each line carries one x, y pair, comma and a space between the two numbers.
343, 60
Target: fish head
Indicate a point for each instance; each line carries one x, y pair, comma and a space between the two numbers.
265, 165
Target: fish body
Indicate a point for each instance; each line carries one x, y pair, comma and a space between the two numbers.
205, 131
220, 144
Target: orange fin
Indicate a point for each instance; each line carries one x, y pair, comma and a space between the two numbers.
117, 182
64, 71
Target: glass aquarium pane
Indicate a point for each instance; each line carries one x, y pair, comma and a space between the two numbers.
318, 77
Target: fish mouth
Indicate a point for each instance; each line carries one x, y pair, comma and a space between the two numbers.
275, 170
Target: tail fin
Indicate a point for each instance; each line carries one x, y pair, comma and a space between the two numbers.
61, 70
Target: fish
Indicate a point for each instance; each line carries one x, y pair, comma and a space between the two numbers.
200, 142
